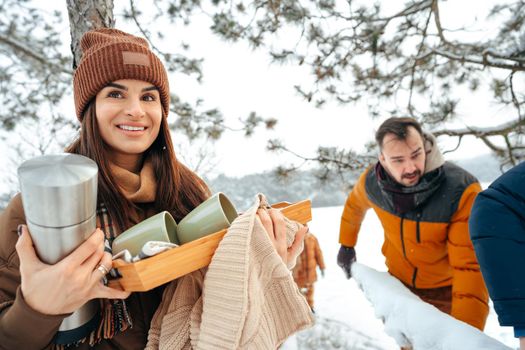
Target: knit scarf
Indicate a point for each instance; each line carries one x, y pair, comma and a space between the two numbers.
405, 199
138, 188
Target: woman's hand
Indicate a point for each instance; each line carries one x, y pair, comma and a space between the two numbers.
273, 221
67, 285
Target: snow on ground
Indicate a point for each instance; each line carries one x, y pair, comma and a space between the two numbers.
345, 318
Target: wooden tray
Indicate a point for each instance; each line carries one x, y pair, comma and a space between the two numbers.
152, 272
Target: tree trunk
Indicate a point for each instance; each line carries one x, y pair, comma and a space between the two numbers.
85, 15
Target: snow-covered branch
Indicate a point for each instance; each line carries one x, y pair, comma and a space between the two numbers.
501, 129
483, 61
412, 322
511, 152
465, 47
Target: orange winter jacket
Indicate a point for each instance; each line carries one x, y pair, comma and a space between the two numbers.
305, 270
428, 246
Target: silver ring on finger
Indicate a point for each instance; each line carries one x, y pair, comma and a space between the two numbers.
103, 269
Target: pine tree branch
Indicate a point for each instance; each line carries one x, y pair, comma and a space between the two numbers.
17, 46
440, 30
515, 100
410, 10
503, 130
499, 130
500, 152
483, 62
490, 52
139, 26
414, 65
460, 138
486, 51
510, 148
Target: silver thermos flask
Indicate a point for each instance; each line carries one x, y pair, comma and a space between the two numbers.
59, 195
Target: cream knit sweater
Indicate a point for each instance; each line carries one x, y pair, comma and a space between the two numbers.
245, 299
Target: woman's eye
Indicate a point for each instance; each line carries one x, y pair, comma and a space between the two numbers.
115, 94
148, 98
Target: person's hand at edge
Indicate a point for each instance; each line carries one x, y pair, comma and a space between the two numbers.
275, 226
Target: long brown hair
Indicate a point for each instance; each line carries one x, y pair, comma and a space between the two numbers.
179, 189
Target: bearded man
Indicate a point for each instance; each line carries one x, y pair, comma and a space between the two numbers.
423, 203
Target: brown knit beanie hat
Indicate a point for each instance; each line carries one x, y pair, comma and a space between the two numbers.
110, 55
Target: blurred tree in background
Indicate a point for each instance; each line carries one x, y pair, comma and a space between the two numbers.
405, 61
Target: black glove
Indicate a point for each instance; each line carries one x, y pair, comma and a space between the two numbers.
345, 259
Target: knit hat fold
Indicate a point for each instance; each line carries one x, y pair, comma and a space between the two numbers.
110, 55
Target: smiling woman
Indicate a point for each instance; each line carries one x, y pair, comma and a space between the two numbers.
122, 101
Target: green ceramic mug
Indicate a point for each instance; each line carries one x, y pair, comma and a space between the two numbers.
212, 215
159, 227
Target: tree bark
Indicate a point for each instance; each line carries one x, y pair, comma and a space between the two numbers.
85, 15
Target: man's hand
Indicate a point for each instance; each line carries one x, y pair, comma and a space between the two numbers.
345, 259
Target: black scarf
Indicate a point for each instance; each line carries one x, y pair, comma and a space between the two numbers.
405, 199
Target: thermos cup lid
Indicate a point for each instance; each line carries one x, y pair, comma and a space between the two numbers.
58, 190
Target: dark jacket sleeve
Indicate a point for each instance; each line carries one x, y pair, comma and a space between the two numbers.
497, 229
21, 327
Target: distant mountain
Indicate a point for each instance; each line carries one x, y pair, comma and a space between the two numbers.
300, 185
485, 167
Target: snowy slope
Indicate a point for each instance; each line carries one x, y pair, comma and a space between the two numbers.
345, 318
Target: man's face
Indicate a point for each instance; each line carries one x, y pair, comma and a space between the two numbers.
404, 160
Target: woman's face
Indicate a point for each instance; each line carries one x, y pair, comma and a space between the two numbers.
129, 115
